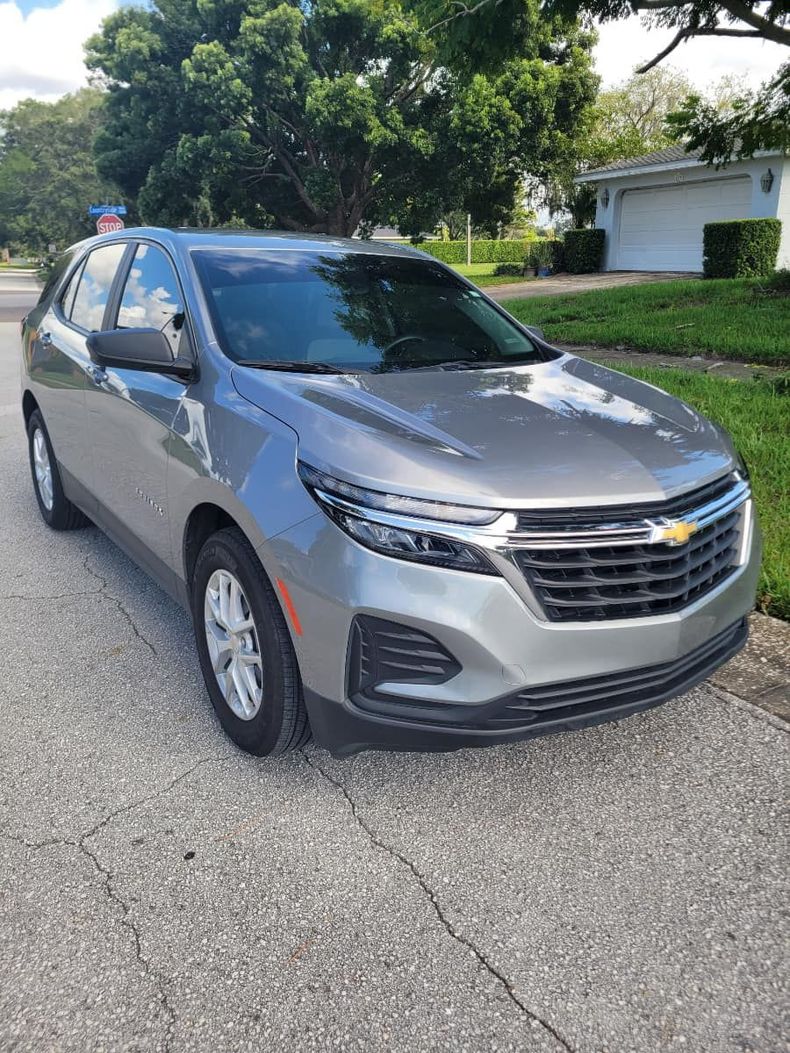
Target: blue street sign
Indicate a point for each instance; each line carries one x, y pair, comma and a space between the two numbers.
104, 210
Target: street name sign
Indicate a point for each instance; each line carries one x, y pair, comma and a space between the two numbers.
107, 210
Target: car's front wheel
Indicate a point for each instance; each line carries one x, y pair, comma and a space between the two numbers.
56, 509
245, 650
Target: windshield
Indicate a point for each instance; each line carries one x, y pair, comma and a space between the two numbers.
352, 311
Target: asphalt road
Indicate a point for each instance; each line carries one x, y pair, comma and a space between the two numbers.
615, 890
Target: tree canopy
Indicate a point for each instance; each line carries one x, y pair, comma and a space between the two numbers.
47, 173
328, 114
758, 120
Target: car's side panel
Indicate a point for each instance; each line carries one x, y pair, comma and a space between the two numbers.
227, 452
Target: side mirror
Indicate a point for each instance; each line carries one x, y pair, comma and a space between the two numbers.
144, 349
536, 331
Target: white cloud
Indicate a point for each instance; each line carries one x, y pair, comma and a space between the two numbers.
625, 45
41, 54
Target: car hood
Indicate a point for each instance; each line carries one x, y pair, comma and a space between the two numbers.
554, 433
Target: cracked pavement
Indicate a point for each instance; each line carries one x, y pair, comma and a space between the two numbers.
613, 890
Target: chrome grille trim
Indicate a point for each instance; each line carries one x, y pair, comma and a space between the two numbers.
635, 532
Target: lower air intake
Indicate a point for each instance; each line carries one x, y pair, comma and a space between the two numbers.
383, 652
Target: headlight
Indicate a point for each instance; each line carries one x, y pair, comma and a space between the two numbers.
418, 546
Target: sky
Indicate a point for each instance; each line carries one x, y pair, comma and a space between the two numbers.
41, 50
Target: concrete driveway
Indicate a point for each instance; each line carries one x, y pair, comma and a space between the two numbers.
562, 284
611, 890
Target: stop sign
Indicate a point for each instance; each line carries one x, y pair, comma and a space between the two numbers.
108, 223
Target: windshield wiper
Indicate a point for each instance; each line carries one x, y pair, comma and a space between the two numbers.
287, 366
471, 363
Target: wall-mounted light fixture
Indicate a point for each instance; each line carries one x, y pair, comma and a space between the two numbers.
767, 181
605, 197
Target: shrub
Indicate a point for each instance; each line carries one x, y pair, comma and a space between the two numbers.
778, 283
558, 256
740, 248
509, 269
504, 251
584, 250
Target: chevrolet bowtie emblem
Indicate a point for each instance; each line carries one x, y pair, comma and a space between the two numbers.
676, 532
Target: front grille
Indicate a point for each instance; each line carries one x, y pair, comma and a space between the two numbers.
572, 519
630, 581
577, 699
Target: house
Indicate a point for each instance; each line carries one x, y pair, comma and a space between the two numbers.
653, 208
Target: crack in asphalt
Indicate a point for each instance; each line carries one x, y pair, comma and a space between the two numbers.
111, 890
103, 591
465, 941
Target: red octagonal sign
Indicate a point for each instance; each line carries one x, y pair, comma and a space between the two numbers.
108, 223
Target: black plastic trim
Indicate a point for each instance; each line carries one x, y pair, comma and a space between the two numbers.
344, 728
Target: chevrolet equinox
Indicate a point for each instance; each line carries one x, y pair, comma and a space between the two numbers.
398, 517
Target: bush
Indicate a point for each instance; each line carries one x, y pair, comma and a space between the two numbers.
740, 248
558, 264
779, 282
584, 250
504, 251
509, 270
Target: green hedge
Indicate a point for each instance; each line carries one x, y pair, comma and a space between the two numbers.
584, 250
504, 251
740, 248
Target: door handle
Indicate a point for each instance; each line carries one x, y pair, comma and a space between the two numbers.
45, 339
97, 374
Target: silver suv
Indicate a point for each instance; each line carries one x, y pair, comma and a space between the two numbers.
399, 518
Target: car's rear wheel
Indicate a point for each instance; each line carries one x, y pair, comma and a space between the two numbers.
56, 509
245, 650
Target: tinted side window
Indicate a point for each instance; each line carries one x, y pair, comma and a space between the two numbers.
67, 299
151, 297
56, 270
93, 290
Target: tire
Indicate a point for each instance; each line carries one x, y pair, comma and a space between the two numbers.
56, 509
280, 722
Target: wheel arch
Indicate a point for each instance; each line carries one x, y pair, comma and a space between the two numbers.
204, 520
29, 405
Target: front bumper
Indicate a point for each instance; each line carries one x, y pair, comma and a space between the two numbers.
503, 646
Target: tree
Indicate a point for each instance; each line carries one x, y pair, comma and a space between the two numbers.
754, 121
323, 115
491, 24
47, 173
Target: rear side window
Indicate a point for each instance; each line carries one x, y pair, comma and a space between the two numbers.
56, 271
67, 299
93, 290
151, 297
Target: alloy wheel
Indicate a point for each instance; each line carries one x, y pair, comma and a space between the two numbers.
233, 644
42, 469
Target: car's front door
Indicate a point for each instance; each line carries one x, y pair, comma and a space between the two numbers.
130, 413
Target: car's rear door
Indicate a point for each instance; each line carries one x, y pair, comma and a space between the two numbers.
59, 361
130, 412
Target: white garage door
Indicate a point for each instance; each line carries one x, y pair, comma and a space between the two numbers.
661, 227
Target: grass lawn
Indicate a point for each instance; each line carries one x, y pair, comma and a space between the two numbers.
757, 416
727, 318
482, 274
